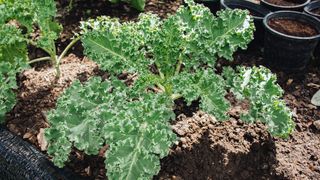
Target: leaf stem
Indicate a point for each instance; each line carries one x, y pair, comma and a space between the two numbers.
178, 68
70, 5
161, 87
57, 66
68, 48
39, 60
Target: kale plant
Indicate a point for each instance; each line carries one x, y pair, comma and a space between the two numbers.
19, 21
171, 58
23, 19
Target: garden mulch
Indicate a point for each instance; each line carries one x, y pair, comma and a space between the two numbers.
208, 149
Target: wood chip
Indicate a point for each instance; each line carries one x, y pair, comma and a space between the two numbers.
41, 140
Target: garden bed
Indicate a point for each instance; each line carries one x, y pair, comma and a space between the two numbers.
207, 149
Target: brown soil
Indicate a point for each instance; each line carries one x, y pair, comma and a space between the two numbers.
316, 11
207, 149
292, 27
213, 150
37, 94
286, 2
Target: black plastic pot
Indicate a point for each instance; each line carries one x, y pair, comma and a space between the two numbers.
289, 53
308, 9
274, 7
258, 12
312, 6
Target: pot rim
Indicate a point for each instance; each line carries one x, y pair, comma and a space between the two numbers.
270, 15
308, 9
223, 3
286, 7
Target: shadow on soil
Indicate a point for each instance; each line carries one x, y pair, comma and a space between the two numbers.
217, 160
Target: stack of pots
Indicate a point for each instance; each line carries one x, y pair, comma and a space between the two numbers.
289, 29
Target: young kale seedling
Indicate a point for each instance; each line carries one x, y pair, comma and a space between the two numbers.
24, 23
36, 25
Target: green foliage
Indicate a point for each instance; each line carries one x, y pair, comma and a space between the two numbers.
8, 73
172, 58
316, 98
97, 113
259, 86
138, 4
18, 20
134, 121
208, 86
13, 55
30, 14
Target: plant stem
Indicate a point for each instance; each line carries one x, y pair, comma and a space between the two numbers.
39, 60
161, 87
68, 48
178, 68
70, 5
57, 66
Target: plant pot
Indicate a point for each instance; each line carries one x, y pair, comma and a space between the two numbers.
289, 52
310, 9
258, 12
275, 7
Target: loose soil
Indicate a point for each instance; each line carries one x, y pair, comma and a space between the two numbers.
316, 11
292, 27
38, 92
286, 2
207, 149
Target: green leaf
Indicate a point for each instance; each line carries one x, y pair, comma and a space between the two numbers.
30, 14
138, 4
259, 86
8, 73
117, 47
97, 113
81, 111
140, 139
13, 45
13, 55
207, 86
209, 36
316, 98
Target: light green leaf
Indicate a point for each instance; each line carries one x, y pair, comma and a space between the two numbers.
316, 98
207, 86
259, 86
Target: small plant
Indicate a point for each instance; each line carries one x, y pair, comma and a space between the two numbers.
172, 58
29, 18
19, 21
